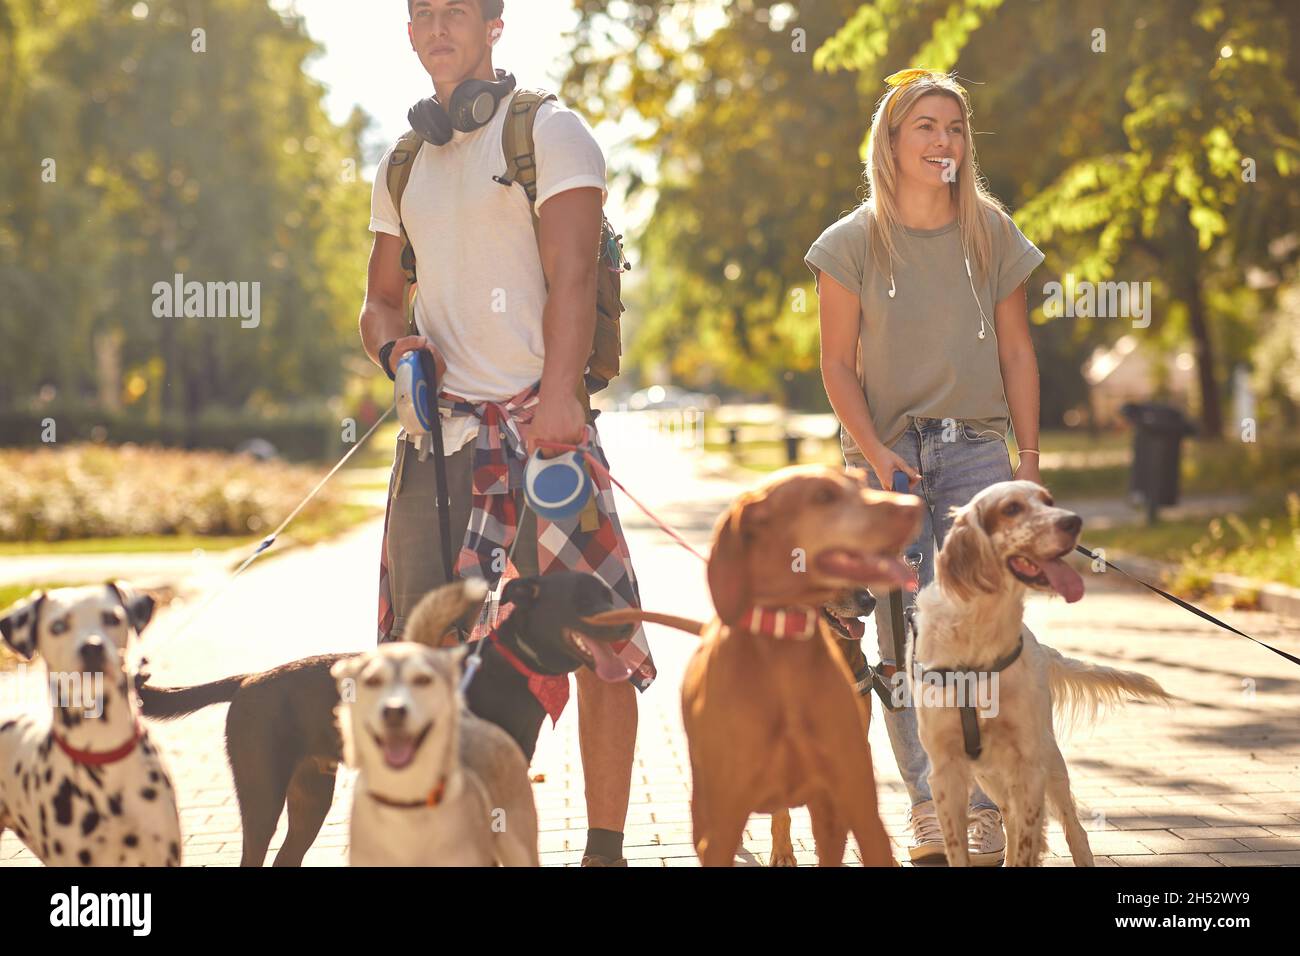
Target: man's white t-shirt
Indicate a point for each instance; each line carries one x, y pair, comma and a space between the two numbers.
482, 290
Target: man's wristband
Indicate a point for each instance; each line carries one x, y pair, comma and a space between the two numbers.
385, 353
1029, 451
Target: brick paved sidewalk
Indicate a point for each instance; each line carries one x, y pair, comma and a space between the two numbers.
1212, 781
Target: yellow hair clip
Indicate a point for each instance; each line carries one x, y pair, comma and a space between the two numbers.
906, 78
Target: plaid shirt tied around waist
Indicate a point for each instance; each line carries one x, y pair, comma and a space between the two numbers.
591, 542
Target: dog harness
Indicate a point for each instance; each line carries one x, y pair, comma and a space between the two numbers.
782, 623
432, 800
970, 725
92, 759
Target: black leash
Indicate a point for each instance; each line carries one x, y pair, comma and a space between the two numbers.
441, 492
1187, 607
897, 627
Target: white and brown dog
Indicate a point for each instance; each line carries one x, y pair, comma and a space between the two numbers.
437, 785
86, 788
994, 686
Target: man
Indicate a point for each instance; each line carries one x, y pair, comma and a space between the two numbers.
509, 313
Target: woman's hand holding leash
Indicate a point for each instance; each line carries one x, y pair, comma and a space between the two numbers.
884, 462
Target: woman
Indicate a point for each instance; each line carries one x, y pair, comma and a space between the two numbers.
926, 355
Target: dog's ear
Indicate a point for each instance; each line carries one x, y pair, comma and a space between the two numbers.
728, 564
347, 668
139, 605
968, 565
18, 627
522, 592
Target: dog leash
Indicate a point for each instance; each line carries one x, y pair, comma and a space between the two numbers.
267, 542
1206, 615
475, 658
604, 473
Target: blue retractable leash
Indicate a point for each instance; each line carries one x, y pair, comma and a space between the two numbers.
416, 396
557, 488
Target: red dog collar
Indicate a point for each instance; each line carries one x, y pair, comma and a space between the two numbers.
432, 800
551, 690
783, 623
91, 759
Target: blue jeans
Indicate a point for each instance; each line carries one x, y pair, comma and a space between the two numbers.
955, 464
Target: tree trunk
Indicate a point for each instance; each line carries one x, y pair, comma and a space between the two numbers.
1198, 325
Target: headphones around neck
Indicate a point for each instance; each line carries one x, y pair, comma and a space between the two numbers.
473, 105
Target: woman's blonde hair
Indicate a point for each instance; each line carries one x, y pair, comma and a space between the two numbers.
969, 190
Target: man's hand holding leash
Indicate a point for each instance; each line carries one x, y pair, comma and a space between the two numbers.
559, 417
412, 343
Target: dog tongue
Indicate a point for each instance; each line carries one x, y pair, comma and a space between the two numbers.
398, 753
609, 666
1064, 580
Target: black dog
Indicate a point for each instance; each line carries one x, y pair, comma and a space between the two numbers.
282, 738
843, 617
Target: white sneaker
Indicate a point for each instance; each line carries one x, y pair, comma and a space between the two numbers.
927, 835
984, 836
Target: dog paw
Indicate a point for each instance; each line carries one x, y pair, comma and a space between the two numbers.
782, 858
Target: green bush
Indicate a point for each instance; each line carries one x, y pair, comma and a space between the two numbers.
93, 491
302, 435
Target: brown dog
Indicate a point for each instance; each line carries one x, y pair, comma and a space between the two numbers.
772, 719
843, 616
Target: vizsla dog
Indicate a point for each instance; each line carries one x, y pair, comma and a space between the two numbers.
772, 718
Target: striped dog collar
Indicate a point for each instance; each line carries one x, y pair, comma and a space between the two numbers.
783, 623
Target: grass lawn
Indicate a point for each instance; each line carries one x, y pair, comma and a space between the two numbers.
141, 544
11, 594
1262, 542
303, 531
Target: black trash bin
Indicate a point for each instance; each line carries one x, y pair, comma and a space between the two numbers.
1158, 433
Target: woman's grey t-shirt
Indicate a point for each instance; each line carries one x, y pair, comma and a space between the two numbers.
920, 354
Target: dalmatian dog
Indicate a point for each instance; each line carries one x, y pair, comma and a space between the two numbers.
86, 788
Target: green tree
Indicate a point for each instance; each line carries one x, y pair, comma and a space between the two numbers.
756, 155
1165, 135
188, 139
